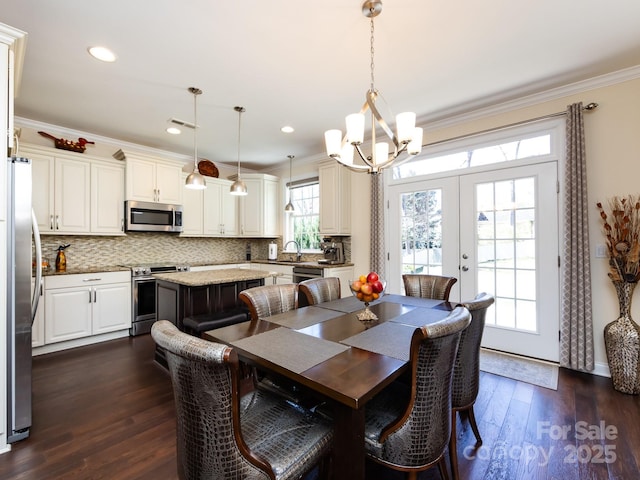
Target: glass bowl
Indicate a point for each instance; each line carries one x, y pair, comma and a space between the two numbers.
367, 293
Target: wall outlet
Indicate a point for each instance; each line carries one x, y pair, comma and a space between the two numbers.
601, 251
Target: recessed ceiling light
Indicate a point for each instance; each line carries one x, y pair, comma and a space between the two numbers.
287, 129
173, 131
102, 53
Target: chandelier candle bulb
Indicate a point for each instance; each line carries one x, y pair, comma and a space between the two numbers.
415, 145
355, 128
346, 154
332, 140
381, 152
405, 126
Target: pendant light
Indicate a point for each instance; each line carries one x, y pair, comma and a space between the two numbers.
195, 180
289, 206
238, 187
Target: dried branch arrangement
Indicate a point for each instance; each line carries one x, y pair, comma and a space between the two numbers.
622, 230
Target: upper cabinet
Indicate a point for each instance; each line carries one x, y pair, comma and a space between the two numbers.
76, 194
212, 212
259, 208
335, 199
150, 179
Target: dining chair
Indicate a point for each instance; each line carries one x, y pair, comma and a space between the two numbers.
318, 290
466, 373
263, 302
428, 286
223, 435
270, 300
407, 427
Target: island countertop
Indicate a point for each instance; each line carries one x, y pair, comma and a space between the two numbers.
213, 277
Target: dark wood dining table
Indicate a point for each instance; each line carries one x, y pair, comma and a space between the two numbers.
326, 349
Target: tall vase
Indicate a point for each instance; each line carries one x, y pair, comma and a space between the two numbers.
622, 341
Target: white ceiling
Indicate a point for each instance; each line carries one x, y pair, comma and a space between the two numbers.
300, 63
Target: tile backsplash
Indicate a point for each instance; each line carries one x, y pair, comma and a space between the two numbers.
140, 248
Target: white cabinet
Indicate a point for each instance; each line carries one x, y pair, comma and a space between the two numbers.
76, 194
345, 274
259, 208
78, 306
150, 179
335, 199
212, 212
107, 198
284, 272
220, 209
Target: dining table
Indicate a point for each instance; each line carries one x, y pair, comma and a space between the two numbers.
345, 361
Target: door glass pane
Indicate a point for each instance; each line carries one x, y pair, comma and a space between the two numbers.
421, 236
505, 250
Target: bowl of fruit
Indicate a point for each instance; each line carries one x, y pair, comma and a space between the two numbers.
367, 289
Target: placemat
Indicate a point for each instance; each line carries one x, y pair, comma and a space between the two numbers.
413, 301
345, 305
303, 317
388, 338
421, 316
290, 349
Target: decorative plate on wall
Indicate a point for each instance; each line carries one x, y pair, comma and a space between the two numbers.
206, 167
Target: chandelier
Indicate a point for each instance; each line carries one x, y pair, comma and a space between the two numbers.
406, 142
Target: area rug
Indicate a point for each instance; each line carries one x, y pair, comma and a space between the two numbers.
536, 372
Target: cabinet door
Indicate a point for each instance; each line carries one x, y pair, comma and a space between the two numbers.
72, 196
111, 307
169, 184
67, 314
107, 199
192, 216
229, 211
335, 199
345, 274
270, 208
212, 209
141, 180
251, 209
43, 171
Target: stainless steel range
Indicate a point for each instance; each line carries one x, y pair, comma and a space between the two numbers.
143, 291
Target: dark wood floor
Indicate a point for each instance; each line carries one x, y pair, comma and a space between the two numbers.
106, 412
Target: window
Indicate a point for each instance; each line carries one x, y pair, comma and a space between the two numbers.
303, 224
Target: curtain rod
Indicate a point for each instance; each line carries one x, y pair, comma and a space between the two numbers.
588, 107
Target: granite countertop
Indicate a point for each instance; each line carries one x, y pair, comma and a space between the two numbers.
212, 277
302, 264
82, 270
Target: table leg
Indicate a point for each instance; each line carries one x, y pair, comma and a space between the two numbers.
348, 443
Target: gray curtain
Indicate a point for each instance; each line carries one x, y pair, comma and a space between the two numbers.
377, 226
576, 338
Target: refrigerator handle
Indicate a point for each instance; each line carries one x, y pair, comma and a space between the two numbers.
38, 283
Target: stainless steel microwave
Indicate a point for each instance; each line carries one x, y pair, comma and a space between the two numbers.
152, 217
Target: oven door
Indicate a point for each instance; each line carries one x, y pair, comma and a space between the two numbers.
144, 305
301, 274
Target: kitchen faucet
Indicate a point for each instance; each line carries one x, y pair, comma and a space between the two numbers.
298, 253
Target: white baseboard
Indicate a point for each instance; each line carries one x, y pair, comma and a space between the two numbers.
601, 369
78, 342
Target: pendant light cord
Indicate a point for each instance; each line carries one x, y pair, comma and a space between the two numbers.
239, 110
195, 131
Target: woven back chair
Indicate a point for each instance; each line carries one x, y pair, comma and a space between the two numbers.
318, 290
407, 427
466, 372
428, 286
224, 436
270, 300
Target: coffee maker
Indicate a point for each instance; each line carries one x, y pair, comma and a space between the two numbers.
333, 252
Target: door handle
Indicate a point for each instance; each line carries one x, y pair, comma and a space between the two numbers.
57, 222
465, 268
51, 222
95, 296
89, 295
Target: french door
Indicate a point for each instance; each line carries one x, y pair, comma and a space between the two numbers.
497, 232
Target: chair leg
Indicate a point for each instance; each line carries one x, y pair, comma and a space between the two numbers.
474, 425
412, 475
453, 447
442, 467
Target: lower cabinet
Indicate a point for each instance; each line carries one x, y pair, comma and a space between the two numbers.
78, 306
284, 272
345, 274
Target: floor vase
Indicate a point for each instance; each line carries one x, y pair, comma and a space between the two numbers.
622, 342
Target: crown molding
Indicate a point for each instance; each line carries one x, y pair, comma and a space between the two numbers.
497, 105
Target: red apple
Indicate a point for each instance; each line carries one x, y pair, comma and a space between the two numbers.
366, 289
377, 286
372, 277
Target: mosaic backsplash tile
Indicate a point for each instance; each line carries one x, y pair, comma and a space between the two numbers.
141, 248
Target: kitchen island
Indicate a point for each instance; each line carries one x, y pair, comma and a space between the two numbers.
210, 292
186, 294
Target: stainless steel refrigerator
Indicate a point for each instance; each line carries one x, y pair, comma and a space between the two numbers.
21, 304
